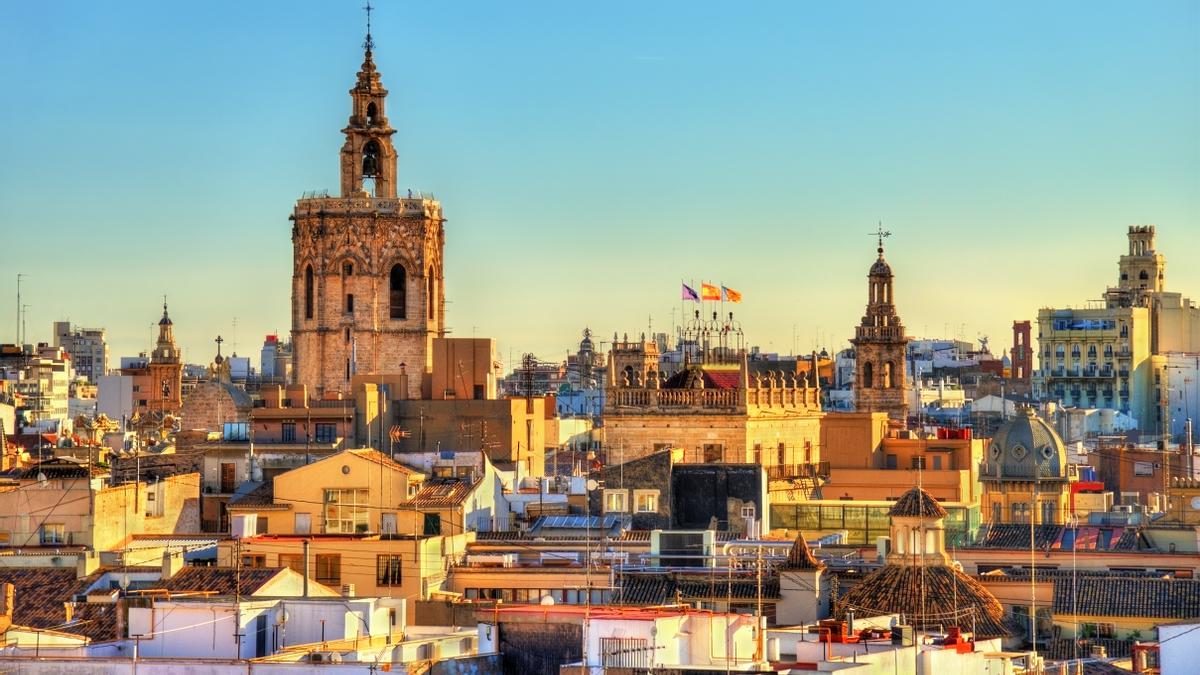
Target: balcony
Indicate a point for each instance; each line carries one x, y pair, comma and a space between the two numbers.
798, 471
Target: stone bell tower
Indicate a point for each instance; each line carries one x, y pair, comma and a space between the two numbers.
367, 293
880, 347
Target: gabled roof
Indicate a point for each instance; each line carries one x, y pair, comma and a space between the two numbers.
917, 503
39, 593
1143, 597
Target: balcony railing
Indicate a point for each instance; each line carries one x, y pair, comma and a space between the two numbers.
795, 471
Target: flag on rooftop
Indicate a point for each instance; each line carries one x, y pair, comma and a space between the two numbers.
730, 294
690, 293
709, 292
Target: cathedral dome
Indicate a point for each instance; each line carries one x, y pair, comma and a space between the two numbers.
1026, 447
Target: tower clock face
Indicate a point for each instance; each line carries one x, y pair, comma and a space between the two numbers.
1196, 503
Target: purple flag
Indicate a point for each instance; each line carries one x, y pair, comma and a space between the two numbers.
690, 293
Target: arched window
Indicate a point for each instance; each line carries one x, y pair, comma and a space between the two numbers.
370, 160
372, 112
868, 375
308, 292
396, 296
1143, 276
888, 377
431, 295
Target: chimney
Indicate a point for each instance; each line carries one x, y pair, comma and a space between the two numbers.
172, 563
68, 611
88, 562
6, 609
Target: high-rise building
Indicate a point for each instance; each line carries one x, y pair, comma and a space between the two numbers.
880, 347
87, 347
367, 294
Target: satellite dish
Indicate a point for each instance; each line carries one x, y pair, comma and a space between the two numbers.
1196, 503
592, 484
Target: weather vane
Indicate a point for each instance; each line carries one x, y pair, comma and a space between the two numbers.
368, 44
880, 233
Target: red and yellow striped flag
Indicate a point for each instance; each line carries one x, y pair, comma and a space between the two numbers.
709, 292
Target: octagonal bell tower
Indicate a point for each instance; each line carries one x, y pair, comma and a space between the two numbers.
367, 291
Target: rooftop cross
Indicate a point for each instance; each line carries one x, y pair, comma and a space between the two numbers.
880, 234
368, 44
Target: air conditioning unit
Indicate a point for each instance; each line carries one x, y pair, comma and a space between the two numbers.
325, 657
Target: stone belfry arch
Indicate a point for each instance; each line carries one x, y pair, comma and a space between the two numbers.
367, 285
880, 346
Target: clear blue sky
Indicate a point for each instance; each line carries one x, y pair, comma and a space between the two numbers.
590, 155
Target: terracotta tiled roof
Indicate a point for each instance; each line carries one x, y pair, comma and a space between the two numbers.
928, 597
800, 557
1141, 597
669, 587
442, 492
219, 580
1062, 649
1003, 535
917, 503
39, 593
380, 458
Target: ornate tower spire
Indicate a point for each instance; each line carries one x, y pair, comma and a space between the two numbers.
368, 157
880, 345
166, 351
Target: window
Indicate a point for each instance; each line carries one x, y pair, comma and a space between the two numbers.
292, 561
780, 454
349, 303
254, 560
1019, 511
1143, 468
645, 501
308, 292
714, 452
918, 462
431, 294
347, 269
326, 432
52, 533
888, 380
937, 462
260, 527
387, 570
346, 511
433, 524
397, 283
868, 374
288, 434
329, 569
616, 501
892, 461
303, 523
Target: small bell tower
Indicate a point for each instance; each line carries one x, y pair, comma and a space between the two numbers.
368, 156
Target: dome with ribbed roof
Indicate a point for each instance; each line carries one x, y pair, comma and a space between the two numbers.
917, 503
881, 267
1026, 447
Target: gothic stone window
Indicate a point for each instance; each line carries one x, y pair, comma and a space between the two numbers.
396, 299
308, 292
868, 375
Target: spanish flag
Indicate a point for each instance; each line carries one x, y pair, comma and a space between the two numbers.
709, 292
730, 294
